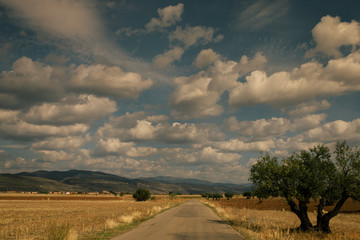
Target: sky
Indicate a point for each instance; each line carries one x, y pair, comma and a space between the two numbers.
194, 89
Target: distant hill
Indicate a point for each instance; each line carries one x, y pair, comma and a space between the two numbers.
167, 179
92, 181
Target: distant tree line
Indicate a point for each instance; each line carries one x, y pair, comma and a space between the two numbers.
217, 196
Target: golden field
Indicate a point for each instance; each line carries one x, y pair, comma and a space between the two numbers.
74, 217
272, 219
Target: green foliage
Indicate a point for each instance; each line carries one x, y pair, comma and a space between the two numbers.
172, 195
141, 194
310, 174
214, 196
248, 195
229, 195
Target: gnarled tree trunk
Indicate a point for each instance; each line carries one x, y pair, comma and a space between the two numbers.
301, 212
324, 220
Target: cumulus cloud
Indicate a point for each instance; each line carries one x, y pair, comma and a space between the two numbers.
29, 82
54, 143
113, 146
205, 58
24, 130
235, 145
55, 156
308, 122
24, 165
82, 109
165, 60
167, 16
103, 80
303, 84
207, 155
335, 131
14, 127
138, 127
268, 128
196, 96
309, 107
192, 98
330, 34
258, 128
190, 36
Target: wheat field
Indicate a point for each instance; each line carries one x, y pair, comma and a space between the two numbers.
273, 220
82, 217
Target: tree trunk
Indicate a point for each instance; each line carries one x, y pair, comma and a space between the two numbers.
320, 212
325, 219
301, 212
304, 217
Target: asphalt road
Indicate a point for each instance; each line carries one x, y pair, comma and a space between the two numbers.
191, 221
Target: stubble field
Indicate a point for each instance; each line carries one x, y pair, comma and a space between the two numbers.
74, 217
272, 219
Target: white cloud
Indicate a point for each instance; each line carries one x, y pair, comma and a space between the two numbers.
190, 36
205, 58
31, 82
20, 164
141, 151
309, 107
112, 146
330, 34
137, 127
28, 82
236, 145
206, 155
55, 156
263, 128
54, 143
165, 60
192, 98
247, 65
268, 128
335, 131
103, 80
144, 130
24, 130
196, 96
167, 16
84, 108
303, 84
308, 122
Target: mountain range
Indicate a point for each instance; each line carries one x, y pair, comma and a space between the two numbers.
94, 181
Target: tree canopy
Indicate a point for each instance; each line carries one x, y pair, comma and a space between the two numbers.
310, 174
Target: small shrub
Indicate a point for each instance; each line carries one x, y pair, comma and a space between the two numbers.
229, 195
141, 194
172, 195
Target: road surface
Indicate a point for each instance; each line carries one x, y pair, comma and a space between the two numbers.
191, 221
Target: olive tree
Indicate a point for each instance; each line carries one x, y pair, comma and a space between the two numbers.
312, 174
229, 195
141, 194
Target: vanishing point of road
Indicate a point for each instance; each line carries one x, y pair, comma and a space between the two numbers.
189, 221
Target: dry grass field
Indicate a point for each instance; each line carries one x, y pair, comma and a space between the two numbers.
272, 219
74, 217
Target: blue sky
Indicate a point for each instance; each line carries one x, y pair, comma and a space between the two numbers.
174, 88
